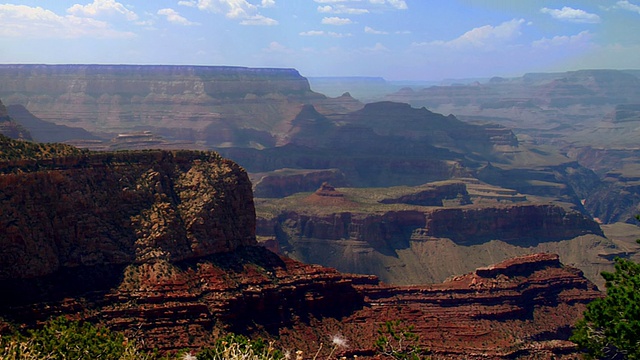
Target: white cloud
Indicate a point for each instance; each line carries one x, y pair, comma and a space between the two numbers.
582, 38
23, 21
485, 37
339, 35
241, 10
572, 15
626, 5
99, 7
334, 20
276, 47
175, 18
312, 33
378, 47
341, 9
397, 4
259, 20
325, 33
370, 30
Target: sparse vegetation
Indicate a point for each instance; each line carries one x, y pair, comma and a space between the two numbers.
62, 338
610, 328
398, 341
25, 150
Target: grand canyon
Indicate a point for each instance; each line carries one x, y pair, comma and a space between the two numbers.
177, 203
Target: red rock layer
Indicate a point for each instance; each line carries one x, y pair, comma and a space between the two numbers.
520, 308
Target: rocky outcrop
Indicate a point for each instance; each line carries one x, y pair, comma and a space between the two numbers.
285, 182
114, 209
452, 193
467, 317
463, 225
510, 222
10, 128
425, 234
521, 308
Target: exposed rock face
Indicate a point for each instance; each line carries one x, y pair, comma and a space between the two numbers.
114, 209
512, 222
162, 241
523, 307
466, 317
285, 182
462, 225
10, 128
434, 196
48, 132
410, 243
195, 103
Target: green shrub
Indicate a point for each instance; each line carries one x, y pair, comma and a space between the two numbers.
398, 341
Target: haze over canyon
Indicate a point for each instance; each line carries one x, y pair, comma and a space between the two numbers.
481, 211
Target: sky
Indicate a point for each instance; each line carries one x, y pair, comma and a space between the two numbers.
419, 40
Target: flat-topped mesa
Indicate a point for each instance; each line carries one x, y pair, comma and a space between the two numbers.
183, 103
520, 266
113, 209
128, 80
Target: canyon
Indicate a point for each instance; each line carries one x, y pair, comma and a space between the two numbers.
161, 245
426, 234
529, 151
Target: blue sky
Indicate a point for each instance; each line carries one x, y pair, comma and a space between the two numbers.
395, 39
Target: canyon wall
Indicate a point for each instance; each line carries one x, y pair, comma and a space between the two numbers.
161, 246
120, 208
196, 103
521, 308
419, 235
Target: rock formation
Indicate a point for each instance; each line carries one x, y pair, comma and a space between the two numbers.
285, 182
524, 307
44, 131
427, 233
10, 128
196, 103
120, 208
161, 245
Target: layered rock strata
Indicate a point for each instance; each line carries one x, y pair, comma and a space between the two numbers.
120, 208
195, 103
521, 308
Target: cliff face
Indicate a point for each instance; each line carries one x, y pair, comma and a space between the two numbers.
522, 308
10, 128
285, 182
120, 208
182, 102
424, 234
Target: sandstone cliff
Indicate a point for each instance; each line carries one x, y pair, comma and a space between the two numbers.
215, 105
418, 235
521, 308
118, 209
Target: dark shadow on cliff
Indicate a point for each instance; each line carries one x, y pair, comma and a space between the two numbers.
277, 302
90, 283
